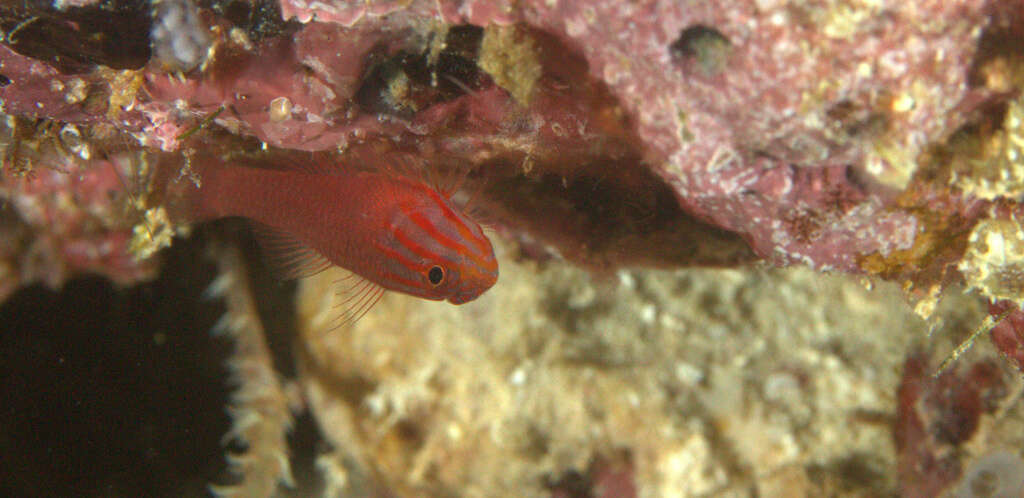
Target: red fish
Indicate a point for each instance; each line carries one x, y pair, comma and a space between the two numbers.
396, 232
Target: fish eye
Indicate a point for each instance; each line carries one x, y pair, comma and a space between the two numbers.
435, 275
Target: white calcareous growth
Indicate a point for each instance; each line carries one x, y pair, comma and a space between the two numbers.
994, 261
178, 37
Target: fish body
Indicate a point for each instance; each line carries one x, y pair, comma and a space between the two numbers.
397, 232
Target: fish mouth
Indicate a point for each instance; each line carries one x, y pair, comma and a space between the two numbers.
470, 290
462, 298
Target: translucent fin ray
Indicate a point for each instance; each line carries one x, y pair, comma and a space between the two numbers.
357, 296
289, 258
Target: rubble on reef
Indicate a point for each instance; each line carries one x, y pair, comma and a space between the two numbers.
883, 139
683, 383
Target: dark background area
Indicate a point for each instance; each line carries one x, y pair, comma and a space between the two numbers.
111, 392
122, 392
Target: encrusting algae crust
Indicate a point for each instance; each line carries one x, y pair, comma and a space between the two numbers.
994, 168
981, 161
994, 263
510, 57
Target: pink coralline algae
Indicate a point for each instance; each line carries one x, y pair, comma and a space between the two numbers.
936, 417
845, 136
794, 136
1008, 335
61, 214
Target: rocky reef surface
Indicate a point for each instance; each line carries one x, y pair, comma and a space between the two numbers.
656, 383
878, 139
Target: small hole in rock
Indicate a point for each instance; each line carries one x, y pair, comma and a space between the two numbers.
4, 80
406, 82
701, 46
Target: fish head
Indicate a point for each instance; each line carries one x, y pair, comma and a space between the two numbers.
439, 252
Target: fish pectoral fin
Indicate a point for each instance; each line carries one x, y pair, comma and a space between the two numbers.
288, 257
355, 297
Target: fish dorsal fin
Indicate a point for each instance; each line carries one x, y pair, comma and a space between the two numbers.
289, 258
405, 165
313, 163
318, 164
446, 182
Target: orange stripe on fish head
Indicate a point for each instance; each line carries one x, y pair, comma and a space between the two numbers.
434, 251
